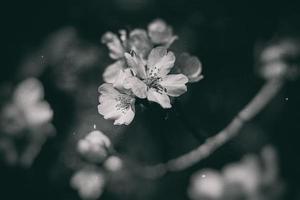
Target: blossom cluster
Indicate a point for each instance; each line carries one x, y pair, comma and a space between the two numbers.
90, 180
25, 119
144, 68
254, 177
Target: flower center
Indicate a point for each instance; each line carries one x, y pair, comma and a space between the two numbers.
124, 103
153, 82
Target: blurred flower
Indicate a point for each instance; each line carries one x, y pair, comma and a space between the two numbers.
66, 57
95, 147
206, 184
26, 122
280, 60
153, 79
116, 105
189, 66
244, 176
28, 109
89, 183
160, 33
113, 163
245, 179
114, 44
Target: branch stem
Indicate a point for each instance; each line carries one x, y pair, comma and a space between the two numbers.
262, 98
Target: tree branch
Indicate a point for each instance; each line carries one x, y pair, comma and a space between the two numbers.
262, 98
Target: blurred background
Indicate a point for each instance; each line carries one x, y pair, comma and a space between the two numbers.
58, 43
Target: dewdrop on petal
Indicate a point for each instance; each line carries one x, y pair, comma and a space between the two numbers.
95, 147
206, 184
89, 183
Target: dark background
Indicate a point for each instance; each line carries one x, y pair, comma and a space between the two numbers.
223, 34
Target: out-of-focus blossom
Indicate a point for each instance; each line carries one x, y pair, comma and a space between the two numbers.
161, 33
116, 105
189, 66
113, 164
89, 182
66, 57
28, 109
95, 147
206, 184
244, 176
114, 44
25, 120
153, 79
28, 96
280, 60
252, 178
138, 40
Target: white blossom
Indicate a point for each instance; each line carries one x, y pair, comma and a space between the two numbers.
116, 105
152, 77
138, 40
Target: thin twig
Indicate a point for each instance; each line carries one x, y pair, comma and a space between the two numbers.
262, 98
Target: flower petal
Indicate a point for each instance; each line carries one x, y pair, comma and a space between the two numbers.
115, 105
126, 118
108, 89
139, 42
114, 45
175, 84
111, 72
160, 98
189, 66
161, 33
136, 63
126, 81
138, 87
109, 108
160, 62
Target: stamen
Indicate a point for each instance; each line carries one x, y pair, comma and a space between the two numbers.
153, 72
124, 102
153, 82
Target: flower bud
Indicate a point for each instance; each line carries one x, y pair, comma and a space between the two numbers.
95, 147
113, 163
190, 66
280, 60
206, 184
89, 183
